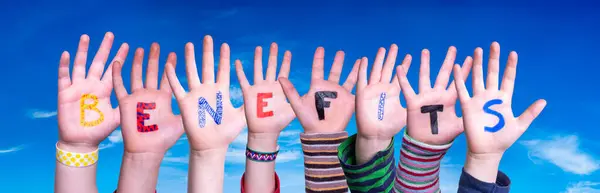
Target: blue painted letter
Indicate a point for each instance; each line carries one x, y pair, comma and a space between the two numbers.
204, 106
486, 109
381, 106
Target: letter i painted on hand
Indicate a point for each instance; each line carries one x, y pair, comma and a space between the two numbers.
217, 115
320, 102
381, 106
486, 109
91, 107
433, 120
141, 117
261, 104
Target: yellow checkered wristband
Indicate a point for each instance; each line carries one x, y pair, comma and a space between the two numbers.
76, 159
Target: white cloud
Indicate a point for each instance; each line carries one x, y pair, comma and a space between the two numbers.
449, 175
583, 187
292, 133
41, 114
172, 179
114, 138
563, 152
286, 156
12, 149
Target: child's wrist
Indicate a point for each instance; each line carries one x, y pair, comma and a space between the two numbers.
367, 147
76, 147
266, 142
483, 167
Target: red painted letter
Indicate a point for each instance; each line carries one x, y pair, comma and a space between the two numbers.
260, 104
141, 117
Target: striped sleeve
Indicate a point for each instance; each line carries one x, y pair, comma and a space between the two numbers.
419, 166
377, 175
322, 171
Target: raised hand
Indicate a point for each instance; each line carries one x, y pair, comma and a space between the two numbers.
432, 116
209, 118
327, 107
85, 115
490, 124
148, 123
267, 110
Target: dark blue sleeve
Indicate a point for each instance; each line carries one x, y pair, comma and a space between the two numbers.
469, 184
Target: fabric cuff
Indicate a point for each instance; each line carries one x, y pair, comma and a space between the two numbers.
277, 184
470, 183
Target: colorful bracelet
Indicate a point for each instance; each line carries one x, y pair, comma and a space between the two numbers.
76, 159
261, 156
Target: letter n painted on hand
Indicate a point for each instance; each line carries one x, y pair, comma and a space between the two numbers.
261, 104
486, 109
433, 120
380, 107
320, 102
141, 117
91, 107
217, 115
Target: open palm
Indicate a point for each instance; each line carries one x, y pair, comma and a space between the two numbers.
206, 132
263, 117
340, 106
491, 128
94, 124
443, 125
162, 128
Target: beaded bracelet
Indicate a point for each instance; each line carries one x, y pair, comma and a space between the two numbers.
261, 156
76, 159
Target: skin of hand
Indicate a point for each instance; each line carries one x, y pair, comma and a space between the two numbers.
373, 134
144, 150
419, 125
209, 143
73, 136
264, 131
338, 114
485, 149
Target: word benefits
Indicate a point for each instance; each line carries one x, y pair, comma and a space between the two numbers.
320, 102
217, 115
141, 117
486, 109
261, 104
381, 106
433, 120
91, 107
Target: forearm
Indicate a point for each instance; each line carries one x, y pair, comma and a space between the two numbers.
139, 172
206, 171
322, 169
70, 179
481, 174
260, 176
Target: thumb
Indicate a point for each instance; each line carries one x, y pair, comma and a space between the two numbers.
530, 114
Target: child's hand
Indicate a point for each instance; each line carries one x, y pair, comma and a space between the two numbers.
209, 118
431, 113
148, 123
490, 125
327, 107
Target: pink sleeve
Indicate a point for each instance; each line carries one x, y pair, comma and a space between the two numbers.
276, 183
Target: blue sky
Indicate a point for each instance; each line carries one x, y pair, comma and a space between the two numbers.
557, 44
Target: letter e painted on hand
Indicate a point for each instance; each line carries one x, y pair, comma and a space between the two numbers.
261, 104
141, 117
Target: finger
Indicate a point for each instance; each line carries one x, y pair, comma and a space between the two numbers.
176, 87
405, 65
272, 63
465, 70
478, 86
239, 70
441, 83
258, 72
362, 74
318, 63
510, 74
152, 71
407, 90
531, 113
191, 70
292, 95
493, 67
336, 68
390, 62
64, 80
208, 61
164, 81
351, 79
284, 71
136, 70
121, 56
377, 65
424, 79
459, 81
118, 85
224, 66
80, 58
101, 57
